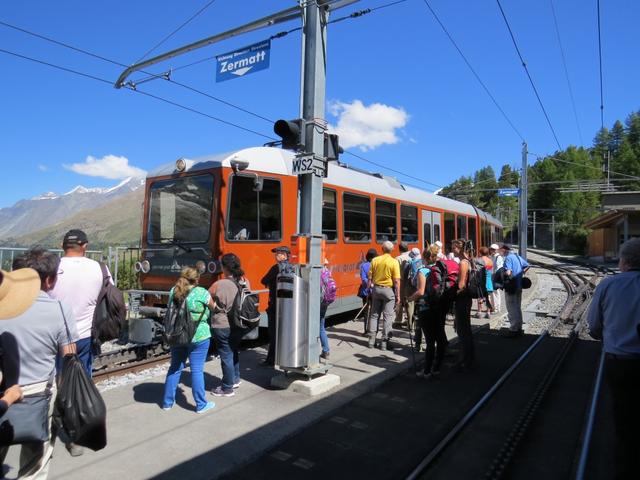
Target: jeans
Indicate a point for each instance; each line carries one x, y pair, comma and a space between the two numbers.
514, 309
228, 341
382, 305
197, 354
463, 328
324, 340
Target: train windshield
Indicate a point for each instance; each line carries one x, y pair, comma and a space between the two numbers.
180, 210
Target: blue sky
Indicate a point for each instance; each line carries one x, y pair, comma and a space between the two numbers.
392, 72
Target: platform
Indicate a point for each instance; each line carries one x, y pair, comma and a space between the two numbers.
147, 442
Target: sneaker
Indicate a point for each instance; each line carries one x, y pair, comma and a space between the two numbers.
74, 450
372, 341
237, 384
324, 355
220, 392
167, 408
207, 407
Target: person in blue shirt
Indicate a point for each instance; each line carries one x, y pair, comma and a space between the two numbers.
364, 291
515, 267
614, 317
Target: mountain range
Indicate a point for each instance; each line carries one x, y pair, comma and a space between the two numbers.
108, 216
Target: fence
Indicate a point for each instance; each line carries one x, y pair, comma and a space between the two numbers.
120, 260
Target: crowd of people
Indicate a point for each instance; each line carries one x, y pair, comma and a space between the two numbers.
418, 289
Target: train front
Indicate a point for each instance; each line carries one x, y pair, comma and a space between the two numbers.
178, 229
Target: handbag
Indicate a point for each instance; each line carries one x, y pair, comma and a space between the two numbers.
27, 421
80, 410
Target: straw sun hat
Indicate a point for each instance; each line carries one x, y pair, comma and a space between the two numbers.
18, 291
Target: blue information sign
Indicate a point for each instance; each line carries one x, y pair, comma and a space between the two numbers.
245, 60
509, 192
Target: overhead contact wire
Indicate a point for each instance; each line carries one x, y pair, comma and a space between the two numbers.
475, 74
600, 60
526, 69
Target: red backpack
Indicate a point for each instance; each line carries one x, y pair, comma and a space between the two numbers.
453, 269
443, 278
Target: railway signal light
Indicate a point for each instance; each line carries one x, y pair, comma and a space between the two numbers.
291, 132
332, 149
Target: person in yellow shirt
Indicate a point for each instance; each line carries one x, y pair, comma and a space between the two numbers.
384, 280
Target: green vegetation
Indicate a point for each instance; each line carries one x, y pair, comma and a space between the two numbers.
573, 168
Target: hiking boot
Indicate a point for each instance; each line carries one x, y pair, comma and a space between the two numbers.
74, 450
324, 355
372, 341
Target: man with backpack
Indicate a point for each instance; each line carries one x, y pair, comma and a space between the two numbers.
514, 268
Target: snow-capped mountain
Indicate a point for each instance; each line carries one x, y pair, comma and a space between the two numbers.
36, 213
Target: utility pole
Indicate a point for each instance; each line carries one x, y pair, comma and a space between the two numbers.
524, 220
553, 233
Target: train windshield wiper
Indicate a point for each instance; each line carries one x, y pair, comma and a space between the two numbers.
177, 243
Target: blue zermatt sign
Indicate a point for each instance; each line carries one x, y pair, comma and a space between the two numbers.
241, 62
508, 192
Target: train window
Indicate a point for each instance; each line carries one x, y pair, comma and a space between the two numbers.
409, 224
356, 218
436, 233
254, 216
329, 214
426, 234
180, 210
462, 226
449, 229
472, 232
386, 221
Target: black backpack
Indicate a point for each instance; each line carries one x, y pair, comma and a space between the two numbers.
110, 313
179, 325
477, 282
244, 313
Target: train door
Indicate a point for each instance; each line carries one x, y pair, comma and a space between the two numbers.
431, 225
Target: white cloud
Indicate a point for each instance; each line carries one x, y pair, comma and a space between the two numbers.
109, 166
43, 168
367, 127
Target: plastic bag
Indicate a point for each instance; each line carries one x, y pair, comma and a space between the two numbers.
80, 410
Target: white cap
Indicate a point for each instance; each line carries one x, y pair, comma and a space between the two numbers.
415, 252
438, 243
494, 246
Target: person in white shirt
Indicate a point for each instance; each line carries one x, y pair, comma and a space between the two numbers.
79, 283
498, 262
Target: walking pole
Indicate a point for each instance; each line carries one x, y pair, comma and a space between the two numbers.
413, 350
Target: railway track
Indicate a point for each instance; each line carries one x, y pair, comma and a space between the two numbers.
527, 389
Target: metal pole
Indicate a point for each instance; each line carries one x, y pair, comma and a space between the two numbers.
534, 230
553, 233
524, 220
313, 98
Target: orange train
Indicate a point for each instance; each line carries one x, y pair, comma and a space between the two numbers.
246, 202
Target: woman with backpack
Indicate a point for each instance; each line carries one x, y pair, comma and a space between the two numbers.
464, 251
227, 339
431, 303
198, 302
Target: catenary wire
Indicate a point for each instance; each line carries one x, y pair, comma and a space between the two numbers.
526, 69
184, 24
120, 64
475, 74
566, 72
156, 97
600, 61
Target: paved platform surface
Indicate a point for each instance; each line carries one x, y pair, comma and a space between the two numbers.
147, 442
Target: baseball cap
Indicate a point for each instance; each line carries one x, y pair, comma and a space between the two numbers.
18, 291
415, 252
74, 237
494, 246
438, 243
281, 249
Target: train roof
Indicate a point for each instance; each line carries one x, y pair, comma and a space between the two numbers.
278, 161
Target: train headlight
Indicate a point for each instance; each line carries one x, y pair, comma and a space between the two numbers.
200, 265
181, 165
137, 267
145, 266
